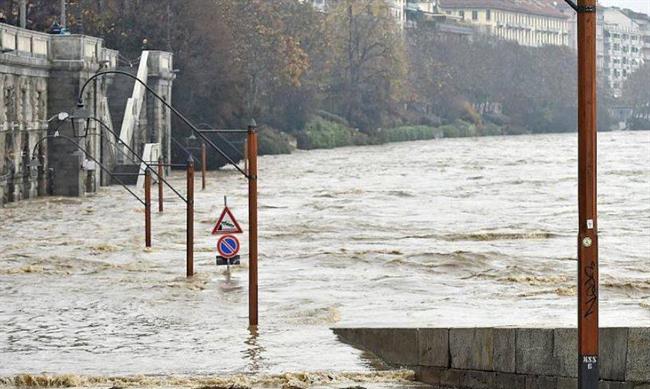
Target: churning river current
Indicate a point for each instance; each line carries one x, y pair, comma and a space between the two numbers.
450, 232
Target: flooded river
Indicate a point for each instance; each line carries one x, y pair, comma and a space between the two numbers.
452, 232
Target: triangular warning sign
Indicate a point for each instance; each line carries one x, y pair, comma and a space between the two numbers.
226, 224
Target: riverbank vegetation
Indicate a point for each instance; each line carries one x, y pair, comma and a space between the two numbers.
348, 76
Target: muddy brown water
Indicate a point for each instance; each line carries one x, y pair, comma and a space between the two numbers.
452, 232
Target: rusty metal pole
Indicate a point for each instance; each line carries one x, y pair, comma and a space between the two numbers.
190, 217
252, 222
204, 164
147, 207
160, 184
587, 211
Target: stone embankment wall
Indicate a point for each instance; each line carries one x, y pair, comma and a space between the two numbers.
507, 357
40, 76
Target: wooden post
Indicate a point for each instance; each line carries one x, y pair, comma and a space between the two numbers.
160, 184
587, 212
204, 164
252, 222
190, 218
147, 207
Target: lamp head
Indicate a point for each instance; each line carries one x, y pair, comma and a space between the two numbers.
80, 113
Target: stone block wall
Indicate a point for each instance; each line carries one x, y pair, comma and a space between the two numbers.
507, 357
42, 75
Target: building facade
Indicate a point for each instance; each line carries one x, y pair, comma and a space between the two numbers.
530, 23
623, 44
643, 21
41, 75
426, 12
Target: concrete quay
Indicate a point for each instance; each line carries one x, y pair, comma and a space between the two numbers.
508, 358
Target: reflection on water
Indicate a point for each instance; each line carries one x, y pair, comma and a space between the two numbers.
453, 232
254, 351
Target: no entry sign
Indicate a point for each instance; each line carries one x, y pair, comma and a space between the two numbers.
228, 246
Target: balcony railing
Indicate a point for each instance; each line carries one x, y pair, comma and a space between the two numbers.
24, 42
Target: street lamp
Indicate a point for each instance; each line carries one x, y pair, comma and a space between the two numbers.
251, 176
103, 126
195, 130
190, 140
35, 162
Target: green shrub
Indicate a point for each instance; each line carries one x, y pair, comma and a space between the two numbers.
408, 133
325, 134
490, 129
272, 142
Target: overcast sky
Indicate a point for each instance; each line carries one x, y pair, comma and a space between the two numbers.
637, 5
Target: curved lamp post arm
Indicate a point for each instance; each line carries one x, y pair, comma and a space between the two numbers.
89, 157
174, 110
223, 138
119, 141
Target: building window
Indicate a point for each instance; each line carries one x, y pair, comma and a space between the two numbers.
488, 14
474, 15
461, 14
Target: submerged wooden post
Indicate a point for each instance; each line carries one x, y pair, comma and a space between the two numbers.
204, 162
587, 211
147, 207
190, 218
160, 184
252, 222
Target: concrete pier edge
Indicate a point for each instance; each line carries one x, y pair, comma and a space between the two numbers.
505, 357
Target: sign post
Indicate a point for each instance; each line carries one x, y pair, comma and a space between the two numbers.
252, 222
587, 211
228, 248
228, 245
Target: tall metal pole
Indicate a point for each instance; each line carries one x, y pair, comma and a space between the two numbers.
147, 207
190, 218
160, 184
252, 222
204, 162
587, 211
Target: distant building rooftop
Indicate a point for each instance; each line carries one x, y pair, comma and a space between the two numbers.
549, 8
